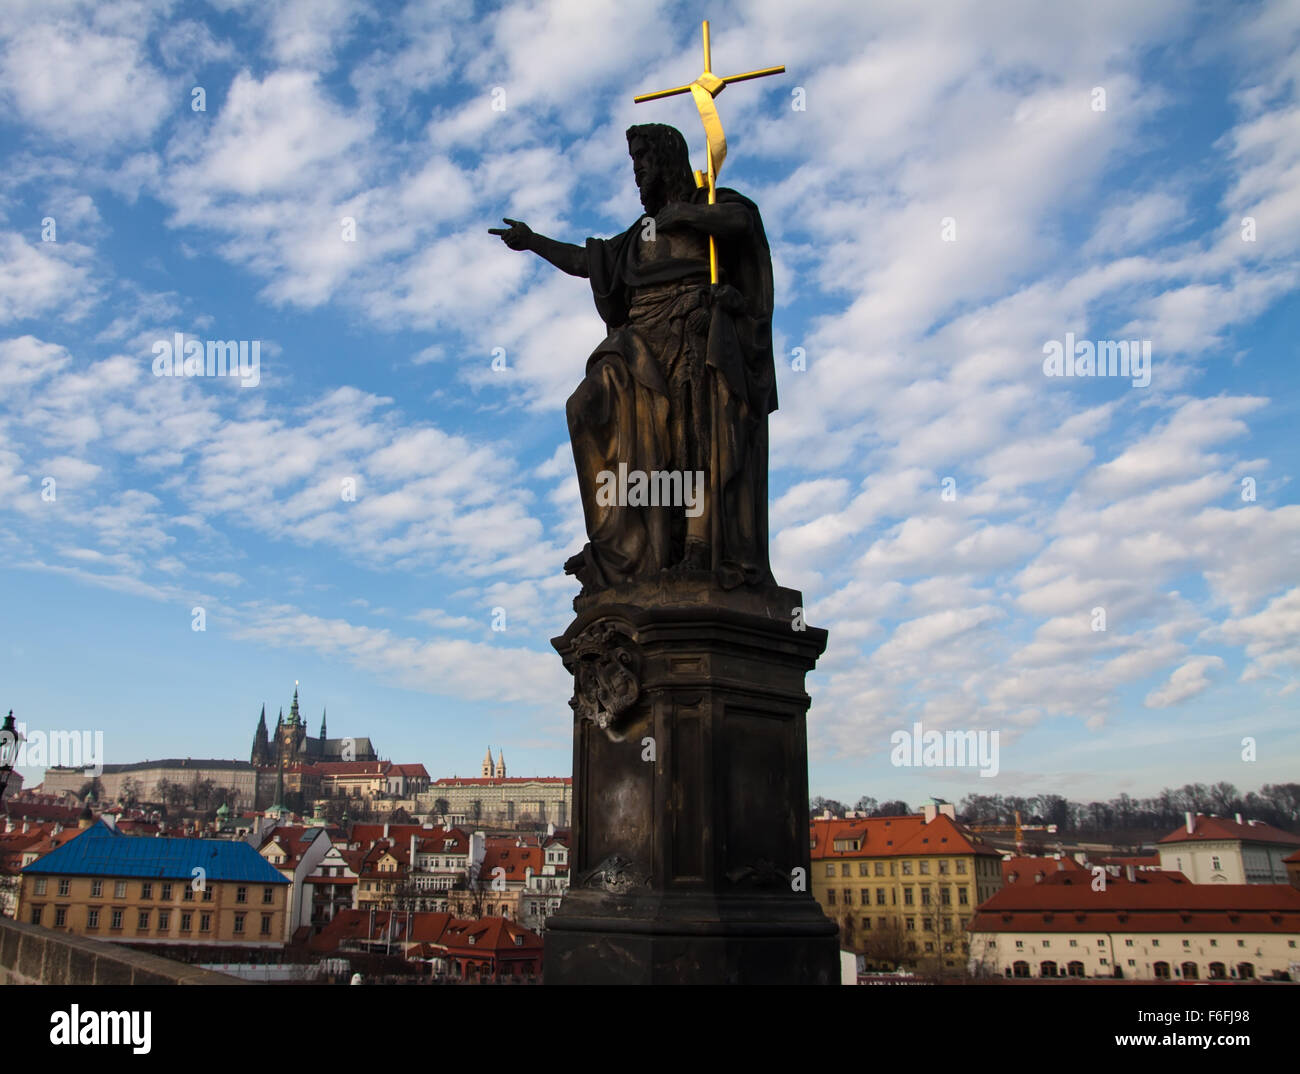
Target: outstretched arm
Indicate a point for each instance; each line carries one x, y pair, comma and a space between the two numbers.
563, 255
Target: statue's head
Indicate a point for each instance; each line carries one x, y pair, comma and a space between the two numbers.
661, 163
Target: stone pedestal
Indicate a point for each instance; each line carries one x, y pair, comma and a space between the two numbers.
690, 771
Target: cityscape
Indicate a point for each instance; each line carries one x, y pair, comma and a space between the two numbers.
321, 861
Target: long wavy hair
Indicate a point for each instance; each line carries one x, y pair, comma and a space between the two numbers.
670, 160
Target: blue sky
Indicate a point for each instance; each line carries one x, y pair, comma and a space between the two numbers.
924, 351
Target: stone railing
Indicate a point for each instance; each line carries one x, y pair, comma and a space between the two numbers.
30, 954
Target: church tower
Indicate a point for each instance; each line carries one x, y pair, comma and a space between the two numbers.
323, 735
501, 765
261, 742
293, 732
487, 764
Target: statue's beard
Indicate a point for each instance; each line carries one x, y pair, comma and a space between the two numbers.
653, 194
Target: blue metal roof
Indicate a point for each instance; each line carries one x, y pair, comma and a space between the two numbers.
104, 851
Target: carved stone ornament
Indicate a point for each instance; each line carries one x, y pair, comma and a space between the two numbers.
606, 667
616, 875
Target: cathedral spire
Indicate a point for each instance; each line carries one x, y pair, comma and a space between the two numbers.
322, 725
261, 742
294, 717
487, 764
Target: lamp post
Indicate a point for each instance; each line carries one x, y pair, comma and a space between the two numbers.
9, 744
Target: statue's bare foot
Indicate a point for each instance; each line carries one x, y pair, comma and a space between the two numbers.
696, 557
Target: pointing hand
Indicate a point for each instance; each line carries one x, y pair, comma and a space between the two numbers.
516, 236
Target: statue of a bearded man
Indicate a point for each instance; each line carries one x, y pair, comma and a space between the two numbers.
669, 425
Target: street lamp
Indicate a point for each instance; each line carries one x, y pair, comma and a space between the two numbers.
10, 741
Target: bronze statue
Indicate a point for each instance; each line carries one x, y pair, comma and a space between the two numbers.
669, 425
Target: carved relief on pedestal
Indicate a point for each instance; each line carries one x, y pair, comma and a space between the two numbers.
616, 875
606, 665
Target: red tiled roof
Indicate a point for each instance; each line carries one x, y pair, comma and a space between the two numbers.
896, 836
1292, 859
1148, 862
411, 771
1159, 907
1206, 828
502, 853
1026, 868
422, 927
365, 834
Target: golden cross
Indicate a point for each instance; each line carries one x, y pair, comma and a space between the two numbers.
704, 89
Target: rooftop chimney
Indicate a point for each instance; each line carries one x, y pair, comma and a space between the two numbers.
1191, 824
1038, 877
1128, 871
385, 829
1238, 818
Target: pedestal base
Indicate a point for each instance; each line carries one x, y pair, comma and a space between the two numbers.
691, 856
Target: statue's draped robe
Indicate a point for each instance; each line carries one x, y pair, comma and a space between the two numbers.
684, 382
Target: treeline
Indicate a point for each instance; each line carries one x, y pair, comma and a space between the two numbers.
1274, 803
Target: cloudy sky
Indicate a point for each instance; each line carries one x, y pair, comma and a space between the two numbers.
947, 187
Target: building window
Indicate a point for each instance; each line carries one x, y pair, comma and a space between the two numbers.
907, 896
866, 923
65, 887
880, 896
187, 922
97, 889
207, 894
927, 924
961, 865
1074, 943
1214, 863
239, 922
187, 894
142, 922
907, 868
925, 867
862, 868
963, 897
205, 922
36, 914
844, 868
266, 924
1020, 945
880, 868
92, 918
164, 920
119, 889
925, 896
945, 896
241, 894
830, 868
166, 892
910, 924
115, 922
60, 917
1128, 943
830, 896
943, 867
146, 890
38, 887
